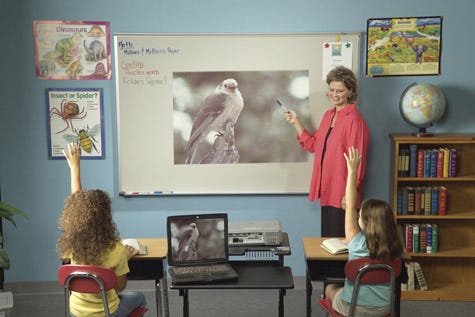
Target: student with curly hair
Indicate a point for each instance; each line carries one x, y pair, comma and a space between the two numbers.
90, 236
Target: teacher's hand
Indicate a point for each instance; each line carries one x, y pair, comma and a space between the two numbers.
290, 116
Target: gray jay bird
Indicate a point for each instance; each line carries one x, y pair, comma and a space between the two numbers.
220, 109
187, 243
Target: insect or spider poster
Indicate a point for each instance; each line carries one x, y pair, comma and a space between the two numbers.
75, 115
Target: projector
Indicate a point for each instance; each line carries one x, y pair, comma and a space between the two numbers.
251, 233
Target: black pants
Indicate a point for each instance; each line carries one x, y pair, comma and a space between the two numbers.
333, 222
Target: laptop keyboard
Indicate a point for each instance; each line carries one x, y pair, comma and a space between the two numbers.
202, 273
201, 269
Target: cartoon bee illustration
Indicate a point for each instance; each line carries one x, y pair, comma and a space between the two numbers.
84, 138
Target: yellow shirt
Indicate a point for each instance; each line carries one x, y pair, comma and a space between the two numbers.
90, 305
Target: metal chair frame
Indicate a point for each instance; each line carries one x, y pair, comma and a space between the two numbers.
89, 279
365, 271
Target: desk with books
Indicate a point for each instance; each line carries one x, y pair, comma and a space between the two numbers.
321, 266
261, 272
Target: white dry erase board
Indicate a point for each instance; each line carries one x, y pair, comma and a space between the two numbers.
163, 81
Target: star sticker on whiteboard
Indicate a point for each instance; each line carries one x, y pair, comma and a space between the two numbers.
326, 45
348, 45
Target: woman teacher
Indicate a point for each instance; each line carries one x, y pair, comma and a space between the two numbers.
341, 127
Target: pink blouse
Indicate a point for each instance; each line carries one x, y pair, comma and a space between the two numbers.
329, 178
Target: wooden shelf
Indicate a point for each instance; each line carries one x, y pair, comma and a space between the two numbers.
463, 252
469, 215
452, 138
449, 293
450, 272
469, 178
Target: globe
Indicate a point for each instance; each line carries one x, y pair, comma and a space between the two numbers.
422, 105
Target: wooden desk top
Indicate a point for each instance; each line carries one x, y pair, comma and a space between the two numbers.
156, 247
313, 251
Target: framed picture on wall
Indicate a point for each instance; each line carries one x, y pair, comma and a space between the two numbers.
72, 50
75, 116
404, 46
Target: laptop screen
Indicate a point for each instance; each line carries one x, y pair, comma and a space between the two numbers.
197, 239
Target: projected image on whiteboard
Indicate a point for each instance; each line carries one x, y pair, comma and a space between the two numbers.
234, 117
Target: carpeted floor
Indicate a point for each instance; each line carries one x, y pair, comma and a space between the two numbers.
219, 303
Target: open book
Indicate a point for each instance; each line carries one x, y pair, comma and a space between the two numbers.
334, 246
136, 245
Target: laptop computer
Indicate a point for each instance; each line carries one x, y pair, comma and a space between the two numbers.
198, 249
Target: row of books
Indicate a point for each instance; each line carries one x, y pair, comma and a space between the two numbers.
427, 163
421, 238
414, 273
422, 200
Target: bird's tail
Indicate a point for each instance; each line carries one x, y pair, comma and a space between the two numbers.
191, 148
190, 151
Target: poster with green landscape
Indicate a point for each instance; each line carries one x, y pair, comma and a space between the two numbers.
403, 46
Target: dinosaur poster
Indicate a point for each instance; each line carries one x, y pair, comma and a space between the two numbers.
72, 50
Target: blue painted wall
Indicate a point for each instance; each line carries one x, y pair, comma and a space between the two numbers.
39, 186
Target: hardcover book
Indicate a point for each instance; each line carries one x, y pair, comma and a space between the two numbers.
418, 205
433, 163
411, 201
404, 163
399, 201
412, 160
422, 239
423, 200
420, 163
429, 238
440, 163
415, 238
434, 207
400, 163
427, 163
453, 163
446, 162
427, 200
408, 236
442, 200
435, 247
404, 201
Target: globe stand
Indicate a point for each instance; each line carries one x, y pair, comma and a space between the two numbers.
422, 132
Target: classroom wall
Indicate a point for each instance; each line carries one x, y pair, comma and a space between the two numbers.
39, 186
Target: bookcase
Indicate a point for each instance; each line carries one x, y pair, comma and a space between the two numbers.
449, 272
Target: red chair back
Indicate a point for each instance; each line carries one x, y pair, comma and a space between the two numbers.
80, 277
90, 279
368, 271
375, 275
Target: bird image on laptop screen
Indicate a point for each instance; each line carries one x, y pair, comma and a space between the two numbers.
187, 243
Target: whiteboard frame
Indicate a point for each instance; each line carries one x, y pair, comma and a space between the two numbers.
145, 147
